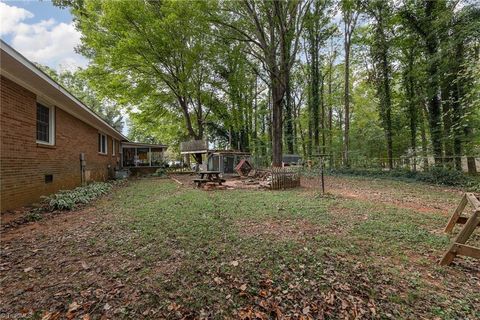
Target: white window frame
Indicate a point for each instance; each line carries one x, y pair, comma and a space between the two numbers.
51, 124
101, 150
114, 145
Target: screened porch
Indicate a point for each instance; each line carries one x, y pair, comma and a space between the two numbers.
142, 155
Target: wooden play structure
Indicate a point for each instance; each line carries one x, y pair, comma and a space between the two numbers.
470, 223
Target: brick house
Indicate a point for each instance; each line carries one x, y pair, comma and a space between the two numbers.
45, 133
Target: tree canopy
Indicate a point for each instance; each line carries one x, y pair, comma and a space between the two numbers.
355, 79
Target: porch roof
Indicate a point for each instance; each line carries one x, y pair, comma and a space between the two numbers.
143, 145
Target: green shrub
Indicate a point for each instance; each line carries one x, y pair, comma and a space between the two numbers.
444, 177
68, 199
436, 175
160, 172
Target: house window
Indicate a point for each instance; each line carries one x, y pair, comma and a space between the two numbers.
48, 178
102, 143
45, 124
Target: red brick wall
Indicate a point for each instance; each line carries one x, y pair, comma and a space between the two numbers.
24, 163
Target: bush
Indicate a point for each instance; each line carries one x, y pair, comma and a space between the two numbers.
160, 172
436, 175
444, 177
68, 199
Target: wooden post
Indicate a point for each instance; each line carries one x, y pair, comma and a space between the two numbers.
456, 214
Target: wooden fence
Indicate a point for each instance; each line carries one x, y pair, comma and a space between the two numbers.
283, 178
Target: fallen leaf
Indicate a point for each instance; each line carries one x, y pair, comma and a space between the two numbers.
234, 263
74, 306
107, 307
218, 280
243, 287
28, 269
306, 310
84, 265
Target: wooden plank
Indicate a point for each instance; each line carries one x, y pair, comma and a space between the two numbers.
456, 214
177, 181
466, 250
468, 228
461, 238
448, 256
473, 201
463, 220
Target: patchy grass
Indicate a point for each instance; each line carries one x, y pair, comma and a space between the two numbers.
155, 249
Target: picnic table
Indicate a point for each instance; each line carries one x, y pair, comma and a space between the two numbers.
208, 176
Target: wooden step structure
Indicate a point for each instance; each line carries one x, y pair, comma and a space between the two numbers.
458, 246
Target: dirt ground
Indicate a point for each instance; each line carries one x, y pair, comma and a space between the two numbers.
56, 262
360, 189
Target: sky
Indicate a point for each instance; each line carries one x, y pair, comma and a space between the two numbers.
41, 32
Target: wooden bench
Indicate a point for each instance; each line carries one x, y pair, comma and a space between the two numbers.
199, 182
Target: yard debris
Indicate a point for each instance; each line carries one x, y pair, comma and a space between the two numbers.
74, 306
51, 315
243, 168
84, 265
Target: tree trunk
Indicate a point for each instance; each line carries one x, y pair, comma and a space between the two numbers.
457, 112
289, 134
447, 119
412, 110
277, 130
322, 112
330, 109
315, 101
346, 137
424, 138
434, 104
388, 104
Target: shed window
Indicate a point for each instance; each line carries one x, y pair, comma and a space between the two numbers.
45, 124
102, 143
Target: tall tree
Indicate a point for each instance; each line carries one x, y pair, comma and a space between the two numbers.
426, 18
318, 30
140, 50
464, 32
272, 31
411, 85
381, 13
350, 13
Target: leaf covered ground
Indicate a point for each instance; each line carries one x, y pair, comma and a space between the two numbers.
157, 249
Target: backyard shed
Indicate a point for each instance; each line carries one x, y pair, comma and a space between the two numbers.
225, 161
